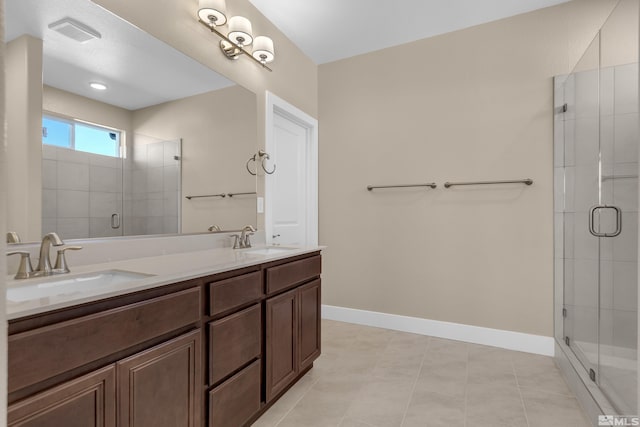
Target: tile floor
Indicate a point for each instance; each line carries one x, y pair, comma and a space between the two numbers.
370, 377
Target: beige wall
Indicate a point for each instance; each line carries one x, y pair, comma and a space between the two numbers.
218, 131
23, 68
471, 105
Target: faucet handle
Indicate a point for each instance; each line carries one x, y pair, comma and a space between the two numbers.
236, 242
61, 260
13, 237
214, 229
247, 240
25, 270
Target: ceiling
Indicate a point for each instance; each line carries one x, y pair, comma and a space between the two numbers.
329, 30
138, 69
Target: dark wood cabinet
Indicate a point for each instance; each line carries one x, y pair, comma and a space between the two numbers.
160, 387
233, 293
236, 400
215, 351
44, 352
292, 335
309, 324
234, 341
88, 401
282, 342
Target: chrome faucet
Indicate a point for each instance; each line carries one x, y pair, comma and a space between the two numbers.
243, 241
214, 229
44, 263
25, 271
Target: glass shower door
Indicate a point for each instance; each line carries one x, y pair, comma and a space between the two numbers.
581, 192
616, 217
596, 212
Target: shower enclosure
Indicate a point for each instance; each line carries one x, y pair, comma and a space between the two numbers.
596, 214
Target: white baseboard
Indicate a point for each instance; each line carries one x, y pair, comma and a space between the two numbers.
509, 340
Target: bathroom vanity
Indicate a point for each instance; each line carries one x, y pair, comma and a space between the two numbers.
214, 349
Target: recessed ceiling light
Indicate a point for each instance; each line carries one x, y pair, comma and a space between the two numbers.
98, 86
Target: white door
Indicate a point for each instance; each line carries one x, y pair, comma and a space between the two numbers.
291, 211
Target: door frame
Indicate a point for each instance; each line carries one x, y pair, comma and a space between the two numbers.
278, 106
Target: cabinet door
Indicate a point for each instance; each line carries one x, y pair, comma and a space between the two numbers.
281, 339
309, 323
88, 401
161, 387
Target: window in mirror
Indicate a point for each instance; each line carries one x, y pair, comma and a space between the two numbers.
80, 136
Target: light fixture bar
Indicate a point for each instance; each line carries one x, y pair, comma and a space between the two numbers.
240, 49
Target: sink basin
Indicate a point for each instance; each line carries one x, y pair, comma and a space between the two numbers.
271, 250
66, 285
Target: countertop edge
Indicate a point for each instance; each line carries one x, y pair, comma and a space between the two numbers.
242, 259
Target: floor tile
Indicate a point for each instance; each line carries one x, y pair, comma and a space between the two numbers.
382, 402
447, 377
434, 410
552, 410
497, 403
372, 377
539, 373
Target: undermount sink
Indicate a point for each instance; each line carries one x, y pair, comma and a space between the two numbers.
65, 285
271, 250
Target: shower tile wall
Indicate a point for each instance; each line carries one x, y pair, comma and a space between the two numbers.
80, 192
152, 194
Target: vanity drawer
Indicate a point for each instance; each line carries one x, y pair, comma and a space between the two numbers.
235, 401
228, 294
234, 341
291, 274
52, 350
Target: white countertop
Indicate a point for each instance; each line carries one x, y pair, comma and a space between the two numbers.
163, 270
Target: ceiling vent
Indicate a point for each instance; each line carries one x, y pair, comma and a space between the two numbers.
75, 30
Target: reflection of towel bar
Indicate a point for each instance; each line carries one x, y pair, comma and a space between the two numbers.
518, 181
608, 177
206, 195
240, 194
431, 185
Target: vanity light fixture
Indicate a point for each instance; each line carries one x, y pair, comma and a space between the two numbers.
98, 86
211, 13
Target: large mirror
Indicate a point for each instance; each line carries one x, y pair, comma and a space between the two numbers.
158, 146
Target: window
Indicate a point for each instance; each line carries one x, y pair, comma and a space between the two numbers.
79, 136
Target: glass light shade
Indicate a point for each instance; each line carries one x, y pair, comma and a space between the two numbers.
212, 11
263, 49
240, 31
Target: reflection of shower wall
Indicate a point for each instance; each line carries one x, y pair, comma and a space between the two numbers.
80, 192
153, 190
218, 131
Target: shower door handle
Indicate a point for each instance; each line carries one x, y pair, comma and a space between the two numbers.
115, 221
592, 214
